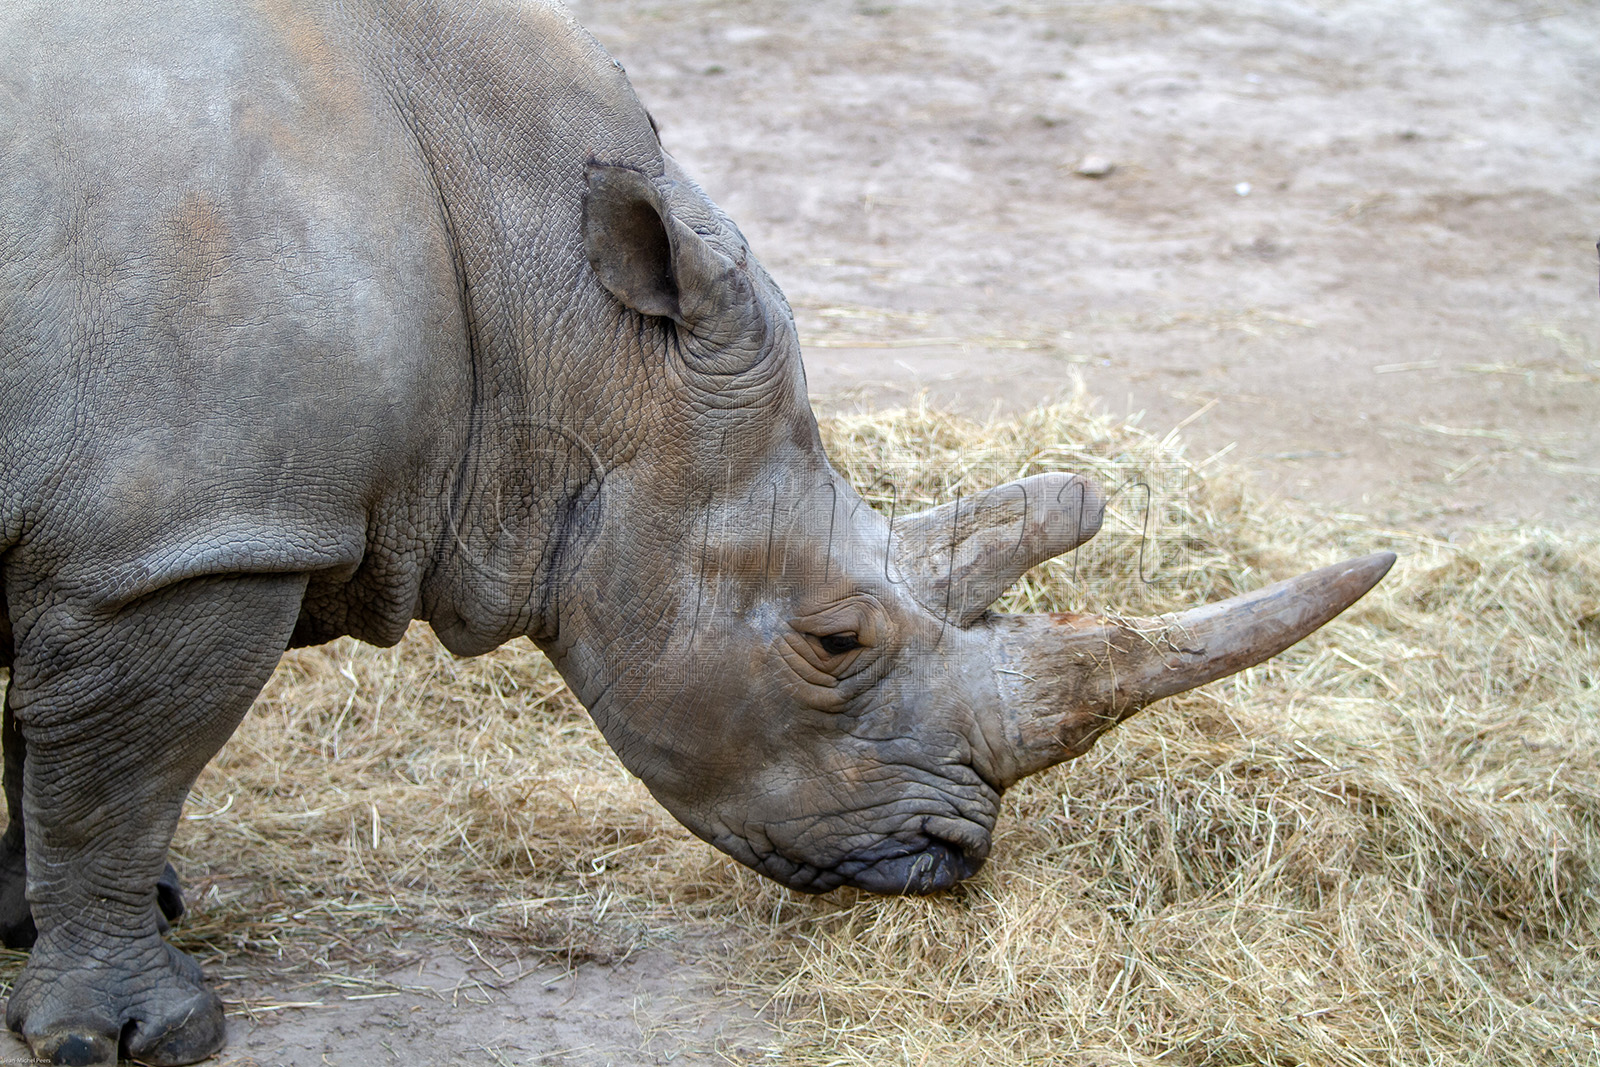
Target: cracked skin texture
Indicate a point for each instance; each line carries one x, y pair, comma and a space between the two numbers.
317, 318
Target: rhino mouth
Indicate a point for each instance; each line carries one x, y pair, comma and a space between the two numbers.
924, 862
937, 865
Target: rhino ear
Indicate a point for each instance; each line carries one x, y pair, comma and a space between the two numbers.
647, 259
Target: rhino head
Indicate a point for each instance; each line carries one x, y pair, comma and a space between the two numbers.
815, 689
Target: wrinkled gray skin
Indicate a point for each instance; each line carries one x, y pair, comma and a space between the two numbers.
319, 318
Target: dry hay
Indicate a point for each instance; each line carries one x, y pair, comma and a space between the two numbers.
1381, 848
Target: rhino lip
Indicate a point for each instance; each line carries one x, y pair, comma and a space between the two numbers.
937, 865
926, 865
932, 855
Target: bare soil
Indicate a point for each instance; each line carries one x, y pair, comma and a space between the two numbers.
1351, 244
425, 1005
1352, 241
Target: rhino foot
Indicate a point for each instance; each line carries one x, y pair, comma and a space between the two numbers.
83, 1009
16, 917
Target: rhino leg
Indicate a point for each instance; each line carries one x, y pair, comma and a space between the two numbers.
118, 715
16, 917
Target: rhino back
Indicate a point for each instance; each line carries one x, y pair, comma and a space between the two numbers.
231, 327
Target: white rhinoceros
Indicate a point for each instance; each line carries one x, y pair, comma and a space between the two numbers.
318, 317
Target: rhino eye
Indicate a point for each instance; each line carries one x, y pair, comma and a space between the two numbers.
838, 644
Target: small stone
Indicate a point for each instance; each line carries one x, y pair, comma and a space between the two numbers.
1094, 167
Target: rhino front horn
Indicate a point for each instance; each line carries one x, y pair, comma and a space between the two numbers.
1065, 679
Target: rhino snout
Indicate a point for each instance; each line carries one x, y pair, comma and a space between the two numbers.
929, 854
938, 864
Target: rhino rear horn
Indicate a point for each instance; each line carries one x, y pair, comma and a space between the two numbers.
960, 557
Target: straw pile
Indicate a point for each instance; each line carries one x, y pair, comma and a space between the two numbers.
1381, 848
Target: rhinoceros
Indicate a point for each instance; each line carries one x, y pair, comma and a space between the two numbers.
318, 318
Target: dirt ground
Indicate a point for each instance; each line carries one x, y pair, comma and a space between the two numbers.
1350, 245
1353, 242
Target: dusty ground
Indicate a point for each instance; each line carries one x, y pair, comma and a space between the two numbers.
1399, 318
1350, 243
436, 1009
